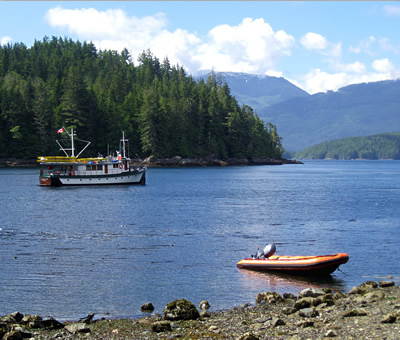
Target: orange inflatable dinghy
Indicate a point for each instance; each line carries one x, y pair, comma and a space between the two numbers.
299, 265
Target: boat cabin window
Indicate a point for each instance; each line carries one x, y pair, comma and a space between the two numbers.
93, 167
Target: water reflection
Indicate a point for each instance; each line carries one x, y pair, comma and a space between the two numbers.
286, 283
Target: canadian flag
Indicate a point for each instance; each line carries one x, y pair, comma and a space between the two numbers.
61, 130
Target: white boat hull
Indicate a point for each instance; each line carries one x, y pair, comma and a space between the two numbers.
133, 177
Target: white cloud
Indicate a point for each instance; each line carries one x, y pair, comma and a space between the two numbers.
273, 73
373, 46
89, 23
5, 40
114, 29
321, 81
356, 67
252, 46
314, 41
391, 10
383, 66
364, 46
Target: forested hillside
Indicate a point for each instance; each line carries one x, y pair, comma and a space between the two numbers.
59, 82
381, 146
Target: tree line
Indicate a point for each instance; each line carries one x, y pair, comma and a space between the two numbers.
380, 146
163, 111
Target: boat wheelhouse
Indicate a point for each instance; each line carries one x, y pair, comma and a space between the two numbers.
72, 170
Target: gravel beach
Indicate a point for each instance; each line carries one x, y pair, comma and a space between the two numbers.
369, 311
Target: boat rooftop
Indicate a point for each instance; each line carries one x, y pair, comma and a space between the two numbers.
75, 160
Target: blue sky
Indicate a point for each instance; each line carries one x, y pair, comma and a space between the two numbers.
317, 45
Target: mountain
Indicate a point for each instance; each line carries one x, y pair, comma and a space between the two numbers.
258, 91
380, 146
355, 110
303, 120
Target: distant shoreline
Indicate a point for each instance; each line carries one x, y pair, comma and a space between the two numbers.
153, 162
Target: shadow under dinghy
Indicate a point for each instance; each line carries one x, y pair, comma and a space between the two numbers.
297, 265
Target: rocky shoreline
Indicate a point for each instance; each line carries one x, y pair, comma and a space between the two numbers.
154, 162
213, 161
368, 311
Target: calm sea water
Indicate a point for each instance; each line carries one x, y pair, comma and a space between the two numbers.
66, 252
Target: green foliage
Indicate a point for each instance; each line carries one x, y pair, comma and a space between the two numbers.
59, 82
381, 146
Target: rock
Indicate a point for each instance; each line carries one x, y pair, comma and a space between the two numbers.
277, 322
213, 328
357, 291
390, 318
369, 285
330, 334
354, 312
17, 316
304, 303
311, 292
264, 319
204, 314
161, 326
51, 324
305, 324
17, 334
289, 310
385, 284
147, 307
339, 295
181, 310
204, 305
374, 296
268, 297
31, 318
88, 318
327, 299
238, 161
308, 313
78, 327
289, 296
248, 336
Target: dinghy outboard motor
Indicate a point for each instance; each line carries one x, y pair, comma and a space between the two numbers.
269, 250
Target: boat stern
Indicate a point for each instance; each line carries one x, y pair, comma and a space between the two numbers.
49, 181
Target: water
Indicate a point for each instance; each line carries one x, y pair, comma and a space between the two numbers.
66, 252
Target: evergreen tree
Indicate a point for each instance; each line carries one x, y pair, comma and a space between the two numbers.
164, 112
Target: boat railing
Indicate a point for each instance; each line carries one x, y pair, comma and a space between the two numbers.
86, 173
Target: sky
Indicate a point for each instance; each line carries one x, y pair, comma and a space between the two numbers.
316, 45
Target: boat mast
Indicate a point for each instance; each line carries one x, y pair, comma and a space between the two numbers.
72, 149
72, 143
123, 140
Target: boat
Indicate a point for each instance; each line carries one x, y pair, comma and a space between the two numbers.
296, 265
72, 170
